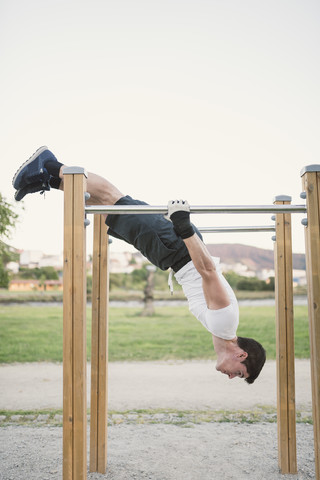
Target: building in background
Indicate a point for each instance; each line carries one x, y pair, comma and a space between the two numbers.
125, 262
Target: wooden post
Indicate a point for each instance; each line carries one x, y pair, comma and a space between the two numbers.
311, 185
285, 341
74, 327
99, 349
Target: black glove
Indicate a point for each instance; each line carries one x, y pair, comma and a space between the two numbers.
179, 214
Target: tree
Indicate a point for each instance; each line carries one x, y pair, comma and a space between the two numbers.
148, 310
38, 273
7, 217
7, 221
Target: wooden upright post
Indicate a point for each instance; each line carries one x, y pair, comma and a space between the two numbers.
285, 341
99, 350
74, 327
311, 185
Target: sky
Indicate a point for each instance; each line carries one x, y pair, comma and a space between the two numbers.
213, 101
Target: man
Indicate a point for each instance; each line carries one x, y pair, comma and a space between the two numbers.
175, 244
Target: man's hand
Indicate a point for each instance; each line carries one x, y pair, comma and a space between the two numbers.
179, 214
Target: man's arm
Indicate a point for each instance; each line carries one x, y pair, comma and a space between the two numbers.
215, 293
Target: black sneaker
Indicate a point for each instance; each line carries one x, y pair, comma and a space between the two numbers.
33, 171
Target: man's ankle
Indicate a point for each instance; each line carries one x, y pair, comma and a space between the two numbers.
61, 171
53, 167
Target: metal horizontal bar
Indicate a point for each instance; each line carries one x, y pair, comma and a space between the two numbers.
149, 209
253, 228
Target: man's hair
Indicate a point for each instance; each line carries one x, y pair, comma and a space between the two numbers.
255, 359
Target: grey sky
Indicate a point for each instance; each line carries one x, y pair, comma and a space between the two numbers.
213, 101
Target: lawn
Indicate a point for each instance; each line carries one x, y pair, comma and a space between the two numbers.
31, 334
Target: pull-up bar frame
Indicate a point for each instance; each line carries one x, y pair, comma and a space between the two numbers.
252, 228
74, 448
197, 209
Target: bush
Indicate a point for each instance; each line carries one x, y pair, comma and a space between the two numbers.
239, 282
137, 279
4, 276
42, 273
250, 284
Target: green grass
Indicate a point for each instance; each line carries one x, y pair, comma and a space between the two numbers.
31, 334
180, 418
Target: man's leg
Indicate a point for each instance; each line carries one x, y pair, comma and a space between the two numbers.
152, 235
102, 192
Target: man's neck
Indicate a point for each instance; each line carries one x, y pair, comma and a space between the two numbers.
221, 346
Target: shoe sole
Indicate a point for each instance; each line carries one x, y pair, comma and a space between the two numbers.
39, 188
33, 157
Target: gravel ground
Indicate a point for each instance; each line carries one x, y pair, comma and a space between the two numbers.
220, 451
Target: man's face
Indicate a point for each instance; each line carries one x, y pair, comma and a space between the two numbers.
231, 365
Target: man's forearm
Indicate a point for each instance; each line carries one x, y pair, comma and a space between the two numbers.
199, 255
215, 293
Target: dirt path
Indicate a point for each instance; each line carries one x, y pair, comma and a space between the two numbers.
182, 385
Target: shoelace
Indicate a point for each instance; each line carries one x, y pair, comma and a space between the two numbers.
44, 185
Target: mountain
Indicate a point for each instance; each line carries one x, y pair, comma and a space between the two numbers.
253, 257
